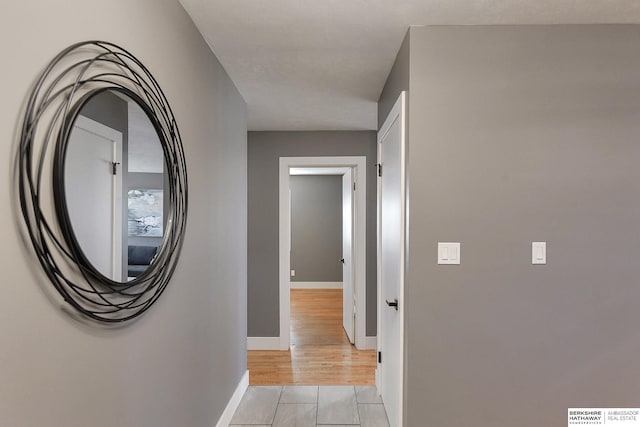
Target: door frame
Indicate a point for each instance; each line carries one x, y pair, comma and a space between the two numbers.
358, 164
398, 112
347, 182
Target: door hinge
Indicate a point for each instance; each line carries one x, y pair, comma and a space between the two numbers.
379, 165
115, 166
379, 357
354, 186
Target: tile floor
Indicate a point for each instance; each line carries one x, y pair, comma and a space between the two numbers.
302, 406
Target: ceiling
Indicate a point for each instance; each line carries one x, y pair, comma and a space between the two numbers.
321, 64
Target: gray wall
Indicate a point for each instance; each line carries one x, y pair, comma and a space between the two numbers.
397, 81
265, 149
110, 110
316, 228
522, 134
179, 364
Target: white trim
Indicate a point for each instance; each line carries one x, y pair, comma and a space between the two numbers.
370, 343
316, 285
234, 402
358, 163
405, 227
318, 171
263, 343
284, 254
398, 112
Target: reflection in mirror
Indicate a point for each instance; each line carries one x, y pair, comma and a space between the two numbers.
114, 186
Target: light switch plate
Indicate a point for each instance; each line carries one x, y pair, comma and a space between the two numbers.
448, 253
293, 273
538, 252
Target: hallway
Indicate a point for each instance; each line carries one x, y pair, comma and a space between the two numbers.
320, 352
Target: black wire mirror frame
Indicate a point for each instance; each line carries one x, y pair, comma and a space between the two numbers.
74, 76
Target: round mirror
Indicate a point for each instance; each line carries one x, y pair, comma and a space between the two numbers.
114, 185
108, 226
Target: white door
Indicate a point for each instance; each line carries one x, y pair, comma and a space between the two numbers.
391, 260
94, 194
348, 294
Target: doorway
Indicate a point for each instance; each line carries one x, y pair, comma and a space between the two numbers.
354, 289
337, 361
392, 232
322, 252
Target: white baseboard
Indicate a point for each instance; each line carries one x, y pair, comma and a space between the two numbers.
370, 343
225, 419
263, 343
316, 285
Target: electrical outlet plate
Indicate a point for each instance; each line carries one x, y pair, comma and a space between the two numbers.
538, 252
448, 253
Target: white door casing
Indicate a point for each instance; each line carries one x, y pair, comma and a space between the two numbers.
348, 294
94, 194
358, 163
391, 260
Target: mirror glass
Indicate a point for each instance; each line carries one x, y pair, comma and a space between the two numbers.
115, 182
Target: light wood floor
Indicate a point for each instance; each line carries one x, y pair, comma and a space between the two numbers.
320, 351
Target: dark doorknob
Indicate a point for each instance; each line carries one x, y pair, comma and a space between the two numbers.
342, 260
393, 303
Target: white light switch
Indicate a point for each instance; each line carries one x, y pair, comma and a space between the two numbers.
293, 273
538, 252
448, 253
